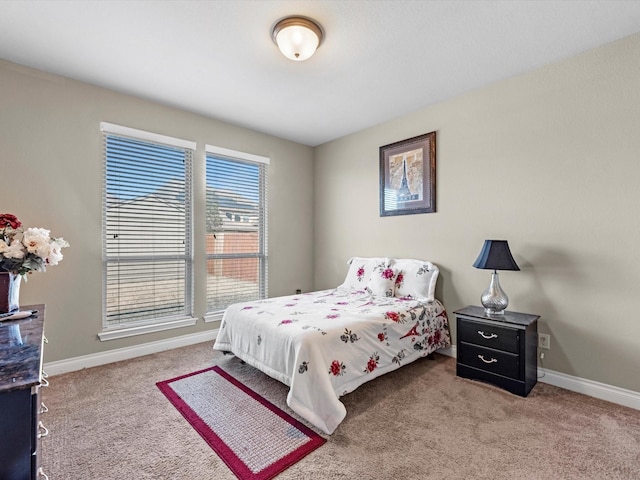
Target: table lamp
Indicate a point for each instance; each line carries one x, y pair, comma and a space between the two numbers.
495, 255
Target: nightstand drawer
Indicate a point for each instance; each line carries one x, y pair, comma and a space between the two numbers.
490, 360
492, 336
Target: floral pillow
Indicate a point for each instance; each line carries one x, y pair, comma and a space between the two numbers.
382, 282
416, 279
360, 270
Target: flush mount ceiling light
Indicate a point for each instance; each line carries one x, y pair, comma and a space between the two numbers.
297, 37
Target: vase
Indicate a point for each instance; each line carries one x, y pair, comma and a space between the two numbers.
9, 292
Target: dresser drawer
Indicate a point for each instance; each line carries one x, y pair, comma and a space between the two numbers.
492, 336
490, 360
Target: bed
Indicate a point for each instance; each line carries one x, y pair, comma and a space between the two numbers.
326, 344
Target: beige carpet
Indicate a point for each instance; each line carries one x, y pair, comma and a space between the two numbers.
419, 422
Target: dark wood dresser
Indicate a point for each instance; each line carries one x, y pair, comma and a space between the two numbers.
500, 349
21, 376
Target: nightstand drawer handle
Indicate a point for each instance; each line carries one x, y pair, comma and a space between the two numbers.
493, 360
488, 337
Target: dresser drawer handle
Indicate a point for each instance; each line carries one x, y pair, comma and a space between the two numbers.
488, 337
44, 432
43, 408
42, 474
481, 357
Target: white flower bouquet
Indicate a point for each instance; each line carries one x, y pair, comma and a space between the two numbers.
27, 250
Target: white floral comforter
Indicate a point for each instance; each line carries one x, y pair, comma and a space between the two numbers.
326, 344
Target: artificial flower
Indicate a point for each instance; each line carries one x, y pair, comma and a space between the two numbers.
24, 251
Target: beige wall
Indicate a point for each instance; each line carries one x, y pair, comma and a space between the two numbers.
51, 157
550, 161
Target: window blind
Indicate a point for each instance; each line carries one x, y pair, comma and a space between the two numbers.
147, 226
236, 243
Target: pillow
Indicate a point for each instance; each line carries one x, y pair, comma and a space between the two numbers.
416, 279
360, 270
382, 282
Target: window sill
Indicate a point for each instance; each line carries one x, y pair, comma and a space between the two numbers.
130, 331
213, 316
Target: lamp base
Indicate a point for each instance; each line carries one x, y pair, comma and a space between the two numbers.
494, 300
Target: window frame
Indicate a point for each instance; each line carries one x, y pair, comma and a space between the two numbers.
262, 255
111, 330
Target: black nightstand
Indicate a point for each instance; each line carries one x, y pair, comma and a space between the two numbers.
500, 349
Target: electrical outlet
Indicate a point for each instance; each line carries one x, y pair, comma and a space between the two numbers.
544, 341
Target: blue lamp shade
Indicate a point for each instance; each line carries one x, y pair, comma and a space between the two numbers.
495, 255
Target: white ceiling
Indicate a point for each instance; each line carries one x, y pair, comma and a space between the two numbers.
379, 60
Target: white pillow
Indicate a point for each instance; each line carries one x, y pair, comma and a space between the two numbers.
416, 279
382, 282
360, 270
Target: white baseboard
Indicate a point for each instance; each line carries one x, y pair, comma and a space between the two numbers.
449, 352
621, 396
126, 353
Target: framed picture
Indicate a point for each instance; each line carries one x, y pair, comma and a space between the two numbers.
408, 176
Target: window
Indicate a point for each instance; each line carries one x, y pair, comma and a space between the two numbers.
147, 248
236, 228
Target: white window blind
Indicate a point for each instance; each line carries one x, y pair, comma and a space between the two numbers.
236, 242
147, 248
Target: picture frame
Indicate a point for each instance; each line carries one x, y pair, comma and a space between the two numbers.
408, 176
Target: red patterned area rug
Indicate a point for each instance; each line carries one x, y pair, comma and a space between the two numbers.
252, 436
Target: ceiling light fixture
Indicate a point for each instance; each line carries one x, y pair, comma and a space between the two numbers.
297, 37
